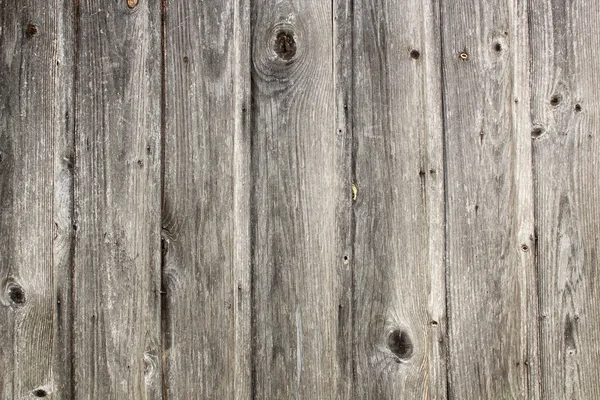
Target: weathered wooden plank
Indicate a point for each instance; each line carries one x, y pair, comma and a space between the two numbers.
397, 156
36, 47
116, 282
295, 303
206, 201
490, 266
566, 151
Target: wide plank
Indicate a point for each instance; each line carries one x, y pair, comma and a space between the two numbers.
294, 248
492, 303
397, 164
36, 83
566, 153
206, 214
116, 281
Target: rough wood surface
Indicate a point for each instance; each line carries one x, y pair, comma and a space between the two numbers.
398, 211
492, 306
566, 115
295, 306
250, 199
116, 332
206, 201
36, 78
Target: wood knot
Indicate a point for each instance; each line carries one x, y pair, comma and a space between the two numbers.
285, 45
31, 30
400, 344
16, 295
132, 3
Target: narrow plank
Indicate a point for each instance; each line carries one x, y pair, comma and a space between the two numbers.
566, 151
116, 281
399, 276
36, 46
206, 201
295, 300
492, 304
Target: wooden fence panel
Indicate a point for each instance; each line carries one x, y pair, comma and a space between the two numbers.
566, 153
398, 209
492, 303
295, 307
206, 200
116, 281
36, 79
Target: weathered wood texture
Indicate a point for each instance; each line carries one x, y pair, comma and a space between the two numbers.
251, 199
398, 213
295, 307
116, 277
492, 305
206, 200
566, 153
36, 76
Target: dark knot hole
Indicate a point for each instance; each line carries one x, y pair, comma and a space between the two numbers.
400, 344
285, 45
16, 295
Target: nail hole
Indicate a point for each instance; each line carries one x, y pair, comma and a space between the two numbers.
400, 344
434, 323
464, 56
16, 295
31, 30
285, 45
537, 132
555, 100
186, 59
40, 393
524, 247
414, 54
498, 46
578, 107
345, 258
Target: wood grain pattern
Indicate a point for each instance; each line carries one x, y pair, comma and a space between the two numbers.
491, 287
206, 200
399, 284
566, 154
116, 334
35, 100
248, 199
295, 260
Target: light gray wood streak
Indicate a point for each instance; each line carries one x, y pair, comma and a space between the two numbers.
566, 115
206, 200
116, 334
35, 190
491, 287
399, 284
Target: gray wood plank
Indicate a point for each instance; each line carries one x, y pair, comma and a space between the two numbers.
295, 257
116, 282
492, 302
35, 190
206, 201
399, 277
566, 151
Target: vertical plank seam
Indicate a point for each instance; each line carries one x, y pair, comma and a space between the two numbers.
162, 295
445, 177
71, 307
352, 232
534, 196
252, 204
